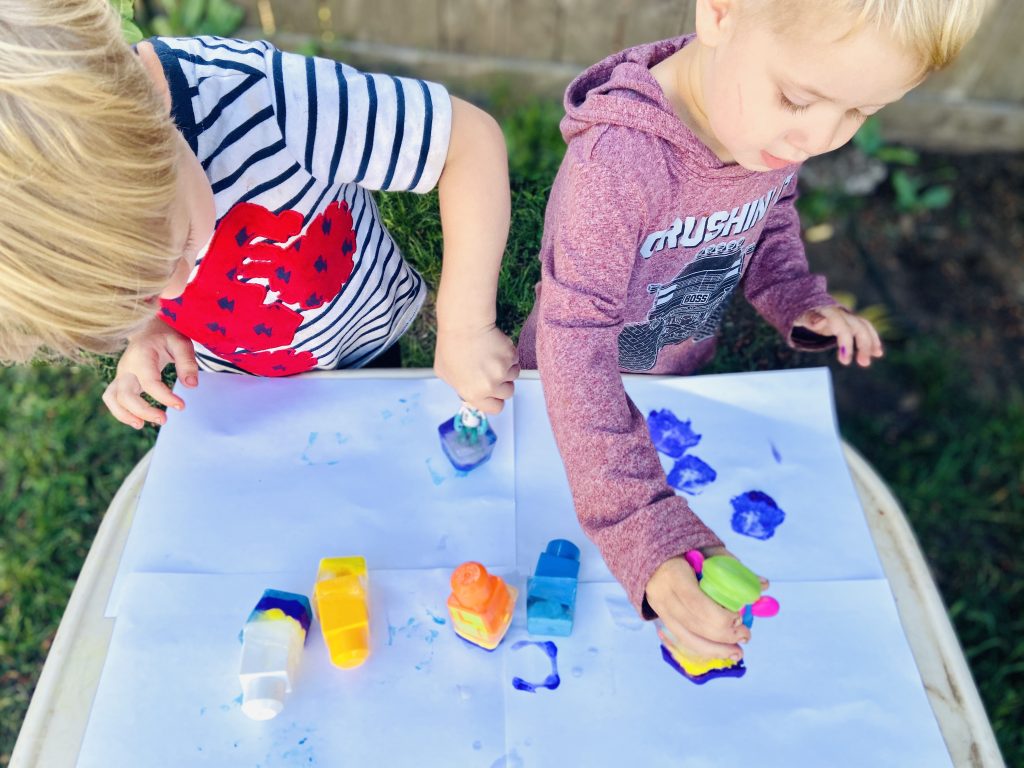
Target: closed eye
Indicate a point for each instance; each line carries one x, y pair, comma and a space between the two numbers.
790, 106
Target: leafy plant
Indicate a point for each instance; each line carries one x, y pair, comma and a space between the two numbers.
126, 9
185, 18
914, 193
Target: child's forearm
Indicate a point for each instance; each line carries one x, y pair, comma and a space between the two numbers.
475, 212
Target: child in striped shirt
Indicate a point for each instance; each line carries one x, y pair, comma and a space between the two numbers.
209, 202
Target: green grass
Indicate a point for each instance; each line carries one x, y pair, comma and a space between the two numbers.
954, 462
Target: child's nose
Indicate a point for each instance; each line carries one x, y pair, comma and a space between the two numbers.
816, 138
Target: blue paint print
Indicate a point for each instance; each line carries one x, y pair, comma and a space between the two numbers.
756, 514
324, 448
552, 681
775, 453
691, 475
435, 618
669, 434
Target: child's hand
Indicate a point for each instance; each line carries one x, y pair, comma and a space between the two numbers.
696, 622
852, 332
139, 370
480, 365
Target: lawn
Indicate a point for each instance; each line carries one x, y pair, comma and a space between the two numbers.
952, 454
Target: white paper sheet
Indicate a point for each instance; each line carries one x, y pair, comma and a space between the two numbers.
265, 475
830, 681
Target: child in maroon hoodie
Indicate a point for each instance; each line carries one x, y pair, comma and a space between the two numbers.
678, 188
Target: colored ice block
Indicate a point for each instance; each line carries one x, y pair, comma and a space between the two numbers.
272, 642
342, 605
480, 605
467, 439
551, 591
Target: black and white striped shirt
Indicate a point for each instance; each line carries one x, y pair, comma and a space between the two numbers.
300, 273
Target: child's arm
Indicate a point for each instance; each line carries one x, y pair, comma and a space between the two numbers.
780, 286
475, 358
140, 370
622, 499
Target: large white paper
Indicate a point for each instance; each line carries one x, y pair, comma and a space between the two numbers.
265, 475
830, 681
258, 479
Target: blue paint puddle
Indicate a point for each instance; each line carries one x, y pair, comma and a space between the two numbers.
691, 475
670, 435
550, 682
756, 514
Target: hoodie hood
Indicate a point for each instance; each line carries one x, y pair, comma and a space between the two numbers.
620, 90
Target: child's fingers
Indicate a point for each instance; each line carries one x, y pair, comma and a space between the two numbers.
504, 390
118, 412
715, 623
138, 407
864, 340
154, 387
183, 353
844, 341
699, 647
488, 405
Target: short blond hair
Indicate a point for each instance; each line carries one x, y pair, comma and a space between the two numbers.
934, 31
88, 177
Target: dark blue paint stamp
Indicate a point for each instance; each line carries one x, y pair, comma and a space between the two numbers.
691, 475
756, 514
669, 434
552, 681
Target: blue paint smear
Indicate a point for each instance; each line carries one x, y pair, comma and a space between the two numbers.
550, 682
435, 618
756, 514
436, 476
669, 434
691, 475
775, 454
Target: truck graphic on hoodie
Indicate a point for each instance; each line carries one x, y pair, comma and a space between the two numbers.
690, 306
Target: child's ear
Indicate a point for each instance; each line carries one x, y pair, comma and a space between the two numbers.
716, 21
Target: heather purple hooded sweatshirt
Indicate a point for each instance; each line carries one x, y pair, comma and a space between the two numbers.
646, 236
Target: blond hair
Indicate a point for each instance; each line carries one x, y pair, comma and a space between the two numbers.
934, 31
88, 178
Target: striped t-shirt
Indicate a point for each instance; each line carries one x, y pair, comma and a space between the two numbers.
300, 272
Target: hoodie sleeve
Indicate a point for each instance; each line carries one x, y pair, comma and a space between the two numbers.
622, 499
779, 283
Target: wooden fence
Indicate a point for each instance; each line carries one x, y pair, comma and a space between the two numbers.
537, 46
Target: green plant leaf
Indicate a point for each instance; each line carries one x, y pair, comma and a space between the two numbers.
936, 197
132, 34
898, 155
869, 137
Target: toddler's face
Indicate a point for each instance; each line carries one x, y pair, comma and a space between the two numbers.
192, 220
772, 99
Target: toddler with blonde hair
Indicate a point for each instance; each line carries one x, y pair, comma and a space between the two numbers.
678, 189
207, 202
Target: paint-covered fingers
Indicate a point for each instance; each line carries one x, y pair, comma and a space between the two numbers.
681, 637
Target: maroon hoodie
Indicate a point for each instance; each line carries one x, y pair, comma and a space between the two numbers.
647, 235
